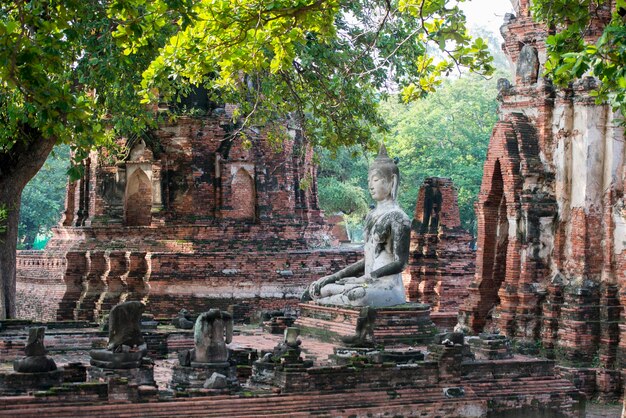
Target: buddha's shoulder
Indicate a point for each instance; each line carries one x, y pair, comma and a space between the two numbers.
397, 216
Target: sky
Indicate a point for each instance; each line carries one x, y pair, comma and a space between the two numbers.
487, 13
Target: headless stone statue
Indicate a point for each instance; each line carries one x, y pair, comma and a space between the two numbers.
432, 207
213, 330
126, 345
125, 325
36, 360
207, 366
376, 280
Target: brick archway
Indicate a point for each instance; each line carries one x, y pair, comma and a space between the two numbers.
243, 196
504, 223
138, 199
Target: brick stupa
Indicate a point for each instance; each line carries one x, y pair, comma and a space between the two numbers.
199, 217
441, 264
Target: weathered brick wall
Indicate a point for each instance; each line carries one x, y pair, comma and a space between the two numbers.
206, 217
41, 287
48, 289
550, 213
441, 263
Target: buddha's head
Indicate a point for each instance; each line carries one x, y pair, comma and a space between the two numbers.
384, 177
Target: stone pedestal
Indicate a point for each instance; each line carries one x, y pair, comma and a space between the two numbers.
491, 346
14, 383
196, 375
140, 376
408, 323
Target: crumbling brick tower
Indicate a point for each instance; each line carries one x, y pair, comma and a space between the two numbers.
551, 263
441, 263
198, 217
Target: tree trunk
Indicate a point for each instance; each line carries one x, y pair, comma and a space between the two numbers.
8, 243
17, 167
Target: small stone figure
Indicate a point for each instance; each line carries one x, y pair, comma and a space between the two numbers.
213, 330
528, 65
126, 345
288, 351
36, 360
140, 152
184, 320
285, 356
376, 280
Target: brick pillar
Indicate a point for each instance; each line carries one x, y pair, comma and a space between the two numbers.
138, 275
551, 313
608, 380
75, 271
67, 218
93, 286
579, 335
428, 272
115, 285
621, 349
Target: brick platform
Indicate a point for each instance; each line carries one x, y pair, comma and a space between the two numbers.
409, 323
512, 387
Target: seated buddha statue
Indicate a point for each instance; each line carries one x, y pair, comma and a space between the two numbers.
375, 281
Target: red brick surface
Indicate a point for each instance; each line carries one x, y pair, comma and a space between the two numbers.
547, 268
441, 264
207, 221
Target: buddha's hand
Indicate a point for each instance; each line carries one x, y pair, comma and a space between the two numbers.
366, 279
320, 283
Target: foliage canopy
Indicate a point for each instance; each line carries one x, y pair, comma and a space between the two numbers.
572, 55
326, 62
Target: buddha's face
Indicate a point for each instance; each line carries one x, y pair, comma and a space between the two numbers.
379, 186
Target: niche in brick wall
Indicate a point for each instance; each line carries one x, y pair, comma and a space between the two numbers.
138, 199
243, 195
495, 244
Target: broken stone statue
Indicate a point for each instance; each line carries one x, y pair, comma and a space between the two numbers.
376, 280
184, 320
288, 351
36, 360
126, 345
213, 330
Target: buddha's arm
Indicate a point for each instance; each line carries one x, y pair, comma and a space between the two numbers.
401, 240
353, 270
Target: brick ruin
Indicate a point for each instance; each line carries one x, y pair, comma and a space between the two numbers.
199, 217
551, 265
441, 263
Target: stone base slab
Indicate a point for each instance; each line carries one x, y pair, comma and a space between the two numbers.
184, 378
140, 376
409, 323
